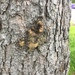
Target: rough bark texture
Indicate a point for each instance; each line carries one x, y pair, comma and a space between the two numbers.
53, 56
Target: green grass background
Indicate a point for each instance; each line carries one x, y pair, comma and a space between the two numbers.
72, 49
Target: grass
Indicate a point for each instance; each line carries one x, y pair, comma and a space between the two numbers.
72, 49
72, 38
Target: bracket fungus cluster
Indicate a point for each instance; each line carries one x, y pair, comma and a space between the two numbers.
36, 36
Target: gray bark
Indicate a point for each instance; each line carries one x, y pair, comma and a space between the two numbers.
51, 58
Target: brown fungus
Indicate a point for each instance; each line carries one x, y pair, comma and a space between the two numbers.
35, 37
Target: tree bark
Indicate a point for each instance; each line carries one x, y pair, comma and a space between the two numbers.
16, 17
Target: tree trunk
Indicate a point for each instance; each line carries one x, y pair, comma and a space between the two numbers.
49, 58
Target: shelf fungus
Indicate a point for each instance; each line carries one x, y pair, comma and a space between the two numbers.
40, 25
36, 36
21, 43
32, 45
